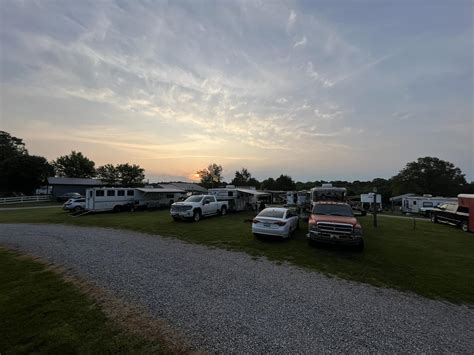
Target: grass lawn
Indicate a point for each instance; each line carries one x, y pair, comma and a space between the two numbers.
31, 204
41, 313
432, 260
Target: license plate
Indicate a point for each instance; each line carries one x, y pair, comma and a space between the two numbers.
268, 225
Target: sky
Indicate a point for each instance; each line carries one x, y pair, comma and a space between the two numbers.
348, 90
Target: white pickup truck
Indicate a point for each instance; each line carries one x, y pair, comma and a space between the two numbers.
197, 206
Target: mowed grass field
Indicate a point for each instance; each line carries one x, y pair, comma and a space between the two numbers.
41, 313
433, 260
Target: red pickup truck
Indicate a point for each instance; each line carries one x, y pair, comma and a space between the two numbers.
334, 223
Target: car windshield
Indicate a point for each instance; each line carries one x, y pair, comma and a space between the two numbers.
271, 213
333, 210
194, 199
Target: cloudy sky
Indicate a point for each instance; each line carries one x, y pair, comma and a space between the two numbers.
314, 89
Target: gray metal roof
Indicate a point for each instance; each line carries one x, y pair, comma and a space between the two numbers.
186, 186
160, 190
74, 181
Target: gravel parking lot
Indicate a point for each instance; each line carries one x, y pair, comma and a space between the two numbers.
228, 302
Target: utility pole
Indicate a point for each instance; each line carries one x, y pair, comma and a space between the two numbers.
374, 208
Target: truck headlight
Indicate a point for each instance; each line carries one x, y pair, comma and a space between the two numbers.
357, 231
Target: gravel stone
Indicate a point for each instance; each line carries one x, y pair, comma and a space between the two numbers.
227, 302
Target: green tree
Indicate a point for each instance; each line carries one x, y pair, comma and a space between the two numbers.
284, 182
74, 165
429, 175
11, 146
108, 174
244, 178
211, 176
268, 184
23, 174
130, 175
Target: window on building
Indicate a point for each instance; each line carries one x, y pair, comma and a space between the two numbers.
130, 192
99, 193
121, 193
110, 192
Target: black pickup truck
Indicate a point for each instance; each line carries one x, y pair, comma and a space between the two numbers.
452, 214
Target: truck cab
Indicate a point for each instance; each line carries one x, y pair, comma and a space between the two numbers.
197, 206
333, 222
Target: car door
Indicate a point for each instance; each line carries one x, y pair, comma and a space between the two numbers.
207, 207
291, 219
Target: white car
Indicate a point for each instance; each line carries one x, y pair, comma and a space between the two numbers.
275, 221
76, 205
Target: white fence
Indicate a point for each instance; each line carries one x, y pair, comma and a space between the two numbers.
24, 199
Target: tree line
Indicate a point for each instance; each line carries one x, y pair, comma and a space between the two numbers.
426, 175
21, 172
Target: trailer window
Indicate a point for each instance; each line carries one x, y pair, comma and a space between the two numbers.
121, 193
99, 193
110, 192
414, 202
230, 193
427, 204
130, 192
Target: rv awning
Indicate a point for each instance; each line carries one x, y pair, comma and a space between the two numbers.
253, 192
166, 191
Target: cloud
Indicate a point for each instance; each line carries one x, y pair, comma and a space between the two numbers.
291, 21
300, 43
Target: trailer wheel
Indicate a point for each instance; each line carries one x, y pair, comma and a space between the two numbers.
197, 216
464, 226
117, 209
223, 211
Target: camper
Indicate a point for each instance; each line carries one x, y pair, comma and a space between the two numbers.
122, 198
327, 192
240, 198
423, 204
298, 198
367, 201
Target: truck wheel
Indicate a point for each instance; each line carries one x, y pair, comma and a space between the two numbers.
464, 226
77, 209
223, 211
117, 209
197, 216
434, 219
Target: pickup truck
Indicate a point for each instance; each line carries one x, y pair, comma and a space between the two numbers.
197, 206
451, 213
334, 223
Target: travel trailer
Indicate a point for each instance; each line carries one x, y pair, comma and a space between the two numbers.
367, 200
122, 198
423, 204
300, 199
240, 198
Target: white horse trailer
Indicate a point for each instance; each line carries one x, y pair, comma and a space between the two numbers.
423, 204
240, 198
122, 198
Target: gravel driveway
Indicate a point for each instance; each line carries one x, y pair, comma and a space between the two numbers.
229, 303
